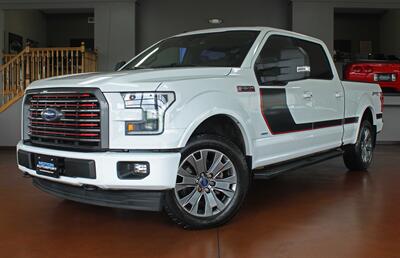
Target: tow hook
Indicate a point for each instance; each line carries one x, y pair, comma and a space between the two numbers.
26, 175
89, 187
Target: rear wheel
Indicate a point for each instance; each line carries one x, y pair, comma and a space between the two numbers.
211, 184
359, 156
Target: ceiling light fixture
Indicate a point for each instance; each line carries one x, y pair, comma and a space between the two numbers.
215, 21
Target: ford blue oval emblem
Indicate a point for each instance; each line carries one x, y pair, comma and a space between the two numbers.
51, 114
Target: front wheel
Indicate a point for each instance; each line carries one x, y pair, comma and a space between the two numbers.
359, 156
211, 184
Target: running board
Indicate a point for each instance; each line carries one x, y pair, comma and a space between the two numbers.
273, 170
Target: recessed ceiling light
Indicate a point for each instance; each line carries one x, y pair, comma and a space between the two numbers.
215, 21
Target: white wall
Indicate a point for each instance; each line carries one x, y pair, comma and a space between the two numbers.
30, 24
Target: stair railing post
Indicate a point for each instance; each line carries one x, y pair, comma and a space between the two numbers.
27, 69
83, 68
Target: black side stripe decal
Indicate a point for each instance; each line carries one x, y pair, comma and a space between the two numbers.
279, 120
328, 123
351, 120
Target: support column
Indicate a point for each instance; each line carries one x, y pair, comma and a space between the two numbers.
2, 31
114, 34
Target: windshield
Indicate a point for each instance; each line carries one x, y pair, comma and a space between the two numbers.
220, 49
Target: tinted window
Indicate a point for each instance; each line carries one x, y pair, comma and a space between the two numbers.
220, 49
284, 59
320, 67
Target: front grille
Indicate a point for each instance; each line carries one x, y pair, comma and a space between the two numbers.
79, 123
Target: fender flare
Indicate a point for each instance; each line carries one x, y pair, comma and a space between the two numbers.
228, 107
365, 104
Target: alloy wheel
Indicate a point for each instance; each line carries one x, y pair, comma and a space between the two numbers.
366, 145
206, 183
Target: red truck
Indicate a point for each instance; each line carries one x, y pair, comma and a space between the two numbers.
384, 72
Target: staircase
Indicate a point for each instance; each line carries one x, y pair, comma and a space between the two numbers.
33, 64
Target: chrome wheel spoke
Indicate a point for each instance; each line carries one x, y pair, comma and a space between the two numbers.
224, 188
187, 182
194, 201
216, 163
210, 203
230, 180
185, 200
181, 186
220, 205
366, 146
184, 173
200, 165
222, 167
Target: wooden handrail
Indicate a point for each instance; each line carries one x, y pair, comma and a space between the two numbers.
39, 63
8, 57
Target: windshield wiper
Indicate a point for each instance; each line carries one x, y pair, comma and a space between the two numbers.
174, 65
137, 68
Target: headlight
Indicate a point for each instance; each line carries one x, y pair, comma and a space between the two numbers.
152, 106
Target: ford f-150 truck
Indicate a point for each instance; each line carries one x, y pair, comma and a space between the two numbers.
187, 124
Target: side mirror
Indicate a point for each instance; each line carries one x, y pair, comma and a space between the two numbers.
119, 65
293, 64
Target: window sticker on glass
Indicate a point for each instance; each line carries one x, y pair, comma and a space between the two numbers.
303, 69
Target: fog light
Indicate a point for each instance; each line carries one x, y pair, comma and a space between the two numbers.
133, 170
139, 168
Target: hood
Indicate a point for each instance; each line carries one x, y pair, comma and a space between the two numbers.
133, 80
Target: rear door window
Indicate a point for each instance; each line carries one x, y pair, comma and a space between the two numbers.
284, 59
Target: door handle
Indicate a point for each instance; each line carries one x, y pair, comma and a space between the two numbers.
338, 95
307, 95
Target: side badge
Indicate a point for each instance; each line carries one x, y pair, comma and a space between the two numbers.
246, 89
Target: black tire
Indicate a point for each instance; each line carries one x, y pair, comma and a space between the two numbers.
353, 154
179, 213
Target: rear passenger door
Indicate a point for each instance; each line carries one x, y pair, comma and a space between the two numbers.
327, 96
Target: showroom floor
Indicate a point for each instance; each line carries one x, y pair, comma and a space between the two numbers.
320, 211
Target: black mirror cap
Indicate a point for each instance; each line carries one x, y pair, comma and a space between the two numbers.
119, 65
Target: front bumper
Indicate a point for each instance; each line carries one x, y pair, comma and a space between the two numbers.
125, 199
162, 176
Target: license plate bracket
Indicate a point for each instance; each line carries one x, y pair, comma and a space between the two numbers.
47, 166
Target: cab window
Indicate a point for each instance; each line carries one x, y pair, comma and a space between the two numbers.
284, 59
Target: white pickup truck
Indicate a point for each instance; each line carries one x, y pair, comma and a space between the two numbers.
188, 123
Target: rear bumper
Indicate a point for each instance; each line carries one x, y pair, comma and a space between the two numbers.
126, 199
